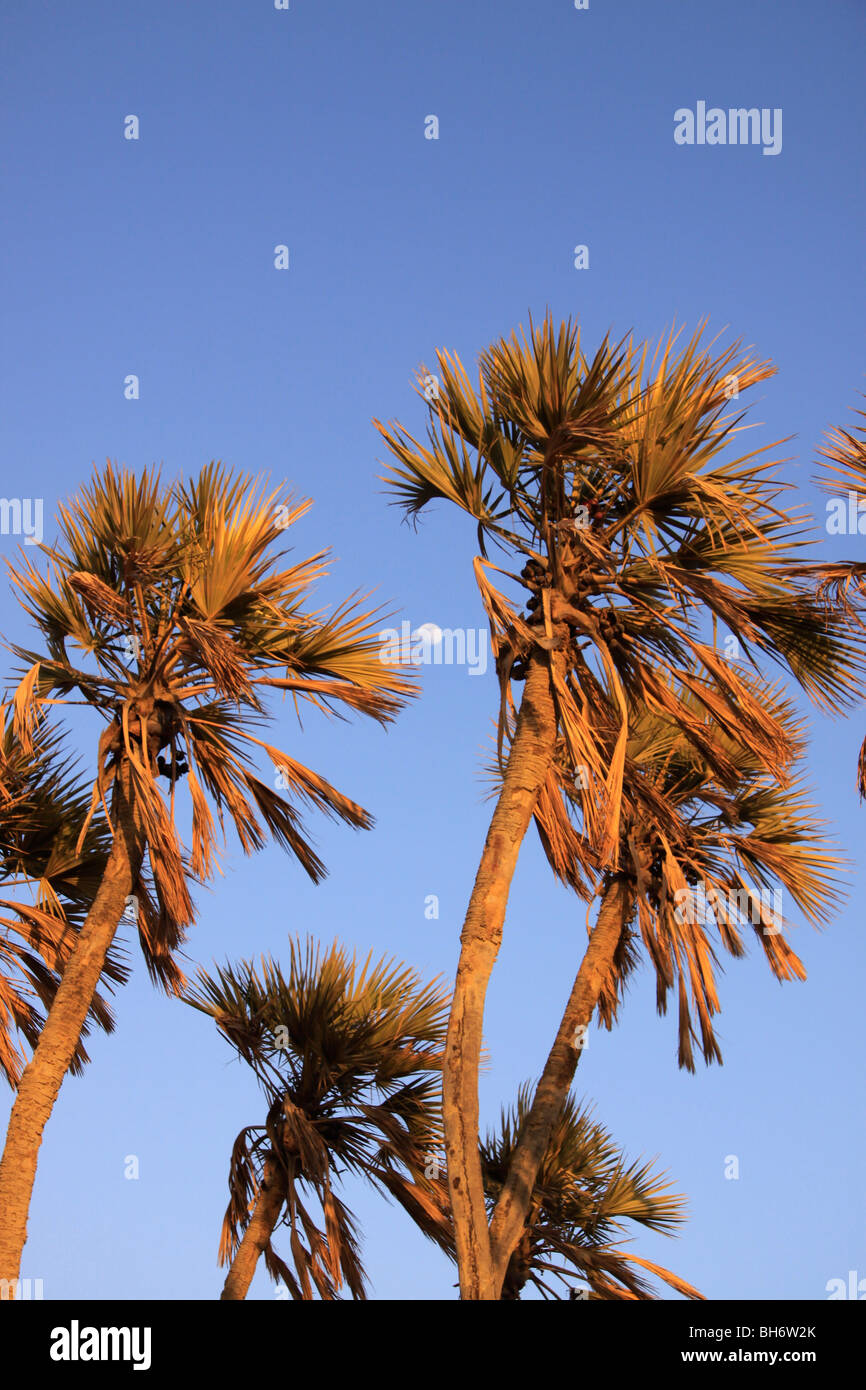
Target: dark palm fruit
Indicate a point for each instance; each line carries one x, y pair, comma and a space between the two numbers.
656, 849
181, 766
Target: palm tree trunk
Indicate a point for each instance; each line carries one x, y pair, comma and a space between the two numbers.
529, 762
43, 1076
266, 1214
515, 1197
518, 1271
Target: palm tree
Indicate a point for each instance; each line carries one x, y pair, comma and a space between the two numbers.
183, 619
706, 836
348, 1059
42, 807
603, 480
583, 1193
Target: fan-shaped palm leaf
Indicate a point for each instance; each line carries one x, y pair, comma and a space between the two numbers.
348, 1056
584, 1194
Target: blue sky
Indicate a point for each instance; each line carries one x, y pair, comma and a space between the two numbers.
155, 257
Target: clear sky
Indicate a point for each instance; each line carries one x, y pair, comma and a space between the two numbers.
155, 257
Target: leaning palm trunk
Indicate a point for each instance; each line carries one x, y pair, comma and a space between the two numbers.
266, 1214
42, 1078
529, 762
512, 1207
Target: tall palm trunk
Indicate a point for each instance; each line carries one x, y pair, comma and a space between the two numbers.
266, 1214
531, 755
515, 1197
43, 1076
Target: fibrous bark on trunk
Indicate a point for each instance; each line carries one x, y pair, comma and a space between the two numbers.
266, 1213
530, 758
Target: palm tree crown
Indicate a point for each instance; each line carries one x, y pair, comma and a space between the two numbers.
347, 1056
604, 478
584, 1193
183, 620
